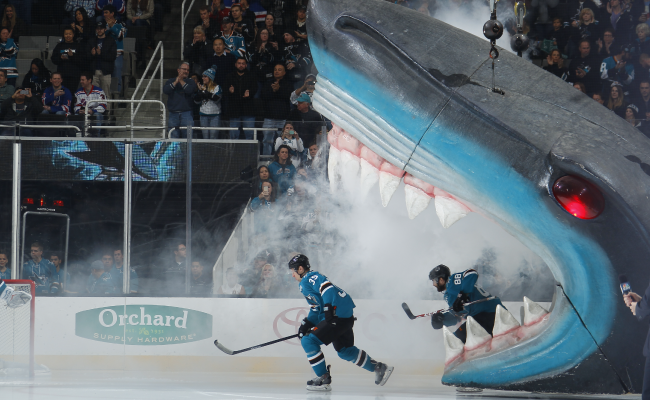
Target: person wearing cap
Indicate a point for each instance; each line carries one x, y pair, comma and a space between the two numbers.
618, 67
99, 281
209, 96
240, 89
298, 28
103, 52
296, 56
235, 42
117, 31
307, 87
306, 121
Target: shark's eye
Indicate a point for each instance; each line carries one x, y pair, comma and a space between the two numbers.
578, 197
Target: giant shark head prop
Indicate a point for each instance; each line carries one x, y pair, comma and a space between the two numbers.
410, 99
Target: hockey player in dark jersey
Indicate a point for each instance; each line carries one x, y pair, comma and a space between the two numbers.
330, 320
459, 289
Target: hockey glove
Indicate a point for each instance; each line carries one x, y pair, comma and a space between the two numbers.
305, 327
437, 320
460, 302
330, 314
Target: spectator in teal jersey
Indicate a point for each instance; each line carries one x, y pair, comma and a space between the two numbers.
8, 54
99, 281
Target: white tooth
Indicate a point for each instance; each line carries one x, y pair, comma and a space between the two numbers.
349, 172
449, 211
369, 177
416, 201
388, 184
476, 335
334, 167
533, 312
503, 321
453, 346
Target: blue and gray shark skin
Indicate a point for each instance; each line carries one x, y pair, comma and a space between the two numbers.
416, 92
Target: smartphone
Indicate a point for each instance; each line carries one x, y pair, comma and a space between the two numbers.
266, 190
24, 92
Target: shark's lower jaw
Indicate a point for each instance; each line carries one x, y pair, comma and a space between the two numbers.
366, 151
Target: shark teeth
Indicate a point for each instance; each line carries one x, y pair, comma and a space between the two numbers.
349, 171
369, 177
454, 347
504, 322
334, 168
416, 201
449, 211
533, 312
388, 184
476, 335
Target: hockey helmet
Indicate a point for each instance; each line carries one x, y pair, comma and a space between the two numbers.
299, 260
440, 271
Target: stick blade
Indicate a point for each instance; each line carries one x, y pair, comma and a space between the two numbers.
223, 348
407, 310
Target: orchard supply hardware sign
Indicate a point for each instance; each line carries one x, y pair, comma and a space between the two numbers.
143, 325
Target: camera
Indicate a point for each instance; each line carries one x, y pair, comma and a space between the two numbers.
24, 92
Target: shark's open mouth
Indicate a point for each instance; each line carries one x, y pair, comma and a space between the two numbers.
355, 168
411, 102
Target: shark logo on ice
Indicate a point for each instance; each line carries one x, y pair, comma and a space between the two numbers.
143, 325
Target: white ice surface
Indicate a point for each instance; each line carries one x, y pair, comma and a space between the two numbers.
99, 385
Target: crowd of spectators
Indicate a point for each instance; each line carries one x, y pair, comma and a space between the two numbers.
91, 44
253, 71
601, 48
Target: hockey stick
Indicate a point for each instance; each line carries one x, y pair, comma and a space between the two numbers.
409, 314
232, 353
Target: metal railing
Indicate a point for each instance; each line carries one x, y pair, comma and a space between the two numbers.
217, 128
132, 127
159, 67
183, 18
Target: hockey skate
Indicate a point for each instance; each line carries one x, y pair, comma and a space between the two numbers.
13, 298
321, 383
382, 373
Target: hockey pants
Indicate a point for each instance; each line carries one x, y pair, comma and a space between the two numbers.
342, 336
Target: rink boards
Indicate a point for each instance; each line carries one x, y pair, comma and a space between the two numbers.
177, 334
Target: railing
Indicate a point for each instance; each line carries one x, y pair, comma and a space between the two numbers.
132, 127
218, 128
159, 67
183, 18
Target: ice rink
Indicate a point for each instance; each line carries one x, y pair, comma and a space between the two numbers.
229, 386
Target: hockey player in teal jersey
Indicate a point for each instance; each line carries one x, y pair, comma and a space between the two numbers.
459, 289
330, 320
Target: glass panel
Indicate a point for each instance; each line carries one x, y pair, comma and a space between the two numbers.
6, 176
83, 181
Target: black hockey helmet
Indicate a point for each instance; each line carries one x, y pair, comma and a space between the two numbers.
299, 260
440, 271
